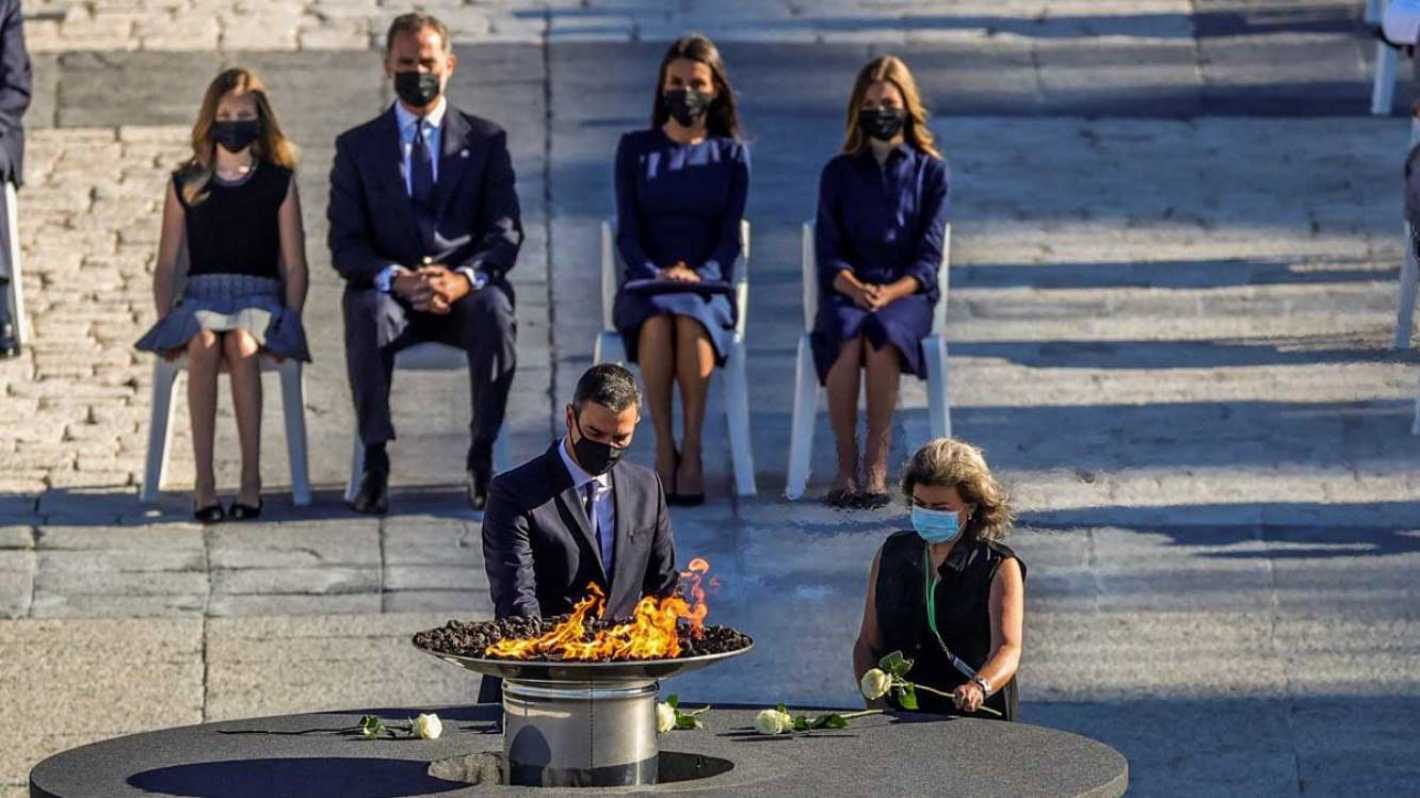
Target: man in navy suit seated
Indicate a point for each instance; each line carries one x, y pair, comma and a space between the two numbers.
424, 226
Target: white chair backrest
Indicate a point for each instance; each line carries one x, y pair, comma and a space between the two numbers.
612, 268
808, 258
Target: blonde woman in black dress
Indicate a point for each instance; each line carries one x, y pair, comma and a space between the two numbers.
233, 207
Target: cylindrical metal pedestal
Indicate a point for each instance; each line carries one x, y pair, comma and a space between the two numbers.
580, 734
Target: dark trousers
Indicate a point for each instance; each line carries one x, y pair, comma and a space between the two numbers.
379, 325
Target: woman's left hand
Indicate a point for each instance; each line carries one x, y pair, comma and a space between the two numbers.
968, 697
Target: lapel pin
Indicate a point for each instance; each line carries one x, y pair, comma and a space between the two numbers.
463, 153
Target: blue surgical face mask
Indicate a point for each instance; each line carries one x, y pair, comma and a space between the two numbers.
935, 526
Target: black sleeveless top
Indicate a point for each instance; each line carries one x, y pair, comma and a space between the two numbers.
235, 229
963, 616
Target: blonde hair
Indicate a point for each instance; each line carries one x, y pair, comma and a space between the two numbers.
890, 69
948, 462
271, 146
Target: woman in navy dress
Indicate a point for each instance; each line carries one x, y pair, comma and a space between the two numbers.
234, 208
882, 215
680, 195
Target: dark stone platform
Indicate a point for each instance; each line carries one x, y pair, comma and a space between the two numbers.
319, 754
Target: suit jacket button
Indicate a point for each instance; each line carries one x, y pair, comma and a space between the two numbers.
463, 153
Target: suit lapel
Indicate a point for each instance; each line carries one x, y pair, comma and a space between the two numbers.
622, 581
453, 158
391, 160
569, 502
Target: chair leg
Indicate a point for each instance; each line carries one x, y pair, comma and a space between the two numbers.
357, 468
502, 453
159, 428
1415, 426
1383, 90
1405, 301
801, 432
737, 419
939, 406
18, 319
293, 408
608, 348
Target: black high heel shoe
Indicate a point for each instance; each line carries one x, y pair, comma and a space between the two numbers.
211, 514
687, 499
245, 512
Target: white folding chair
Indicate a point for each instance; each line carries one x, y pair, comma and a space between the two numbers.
807, 389
428, 356
16, 299
734, 383
293, 406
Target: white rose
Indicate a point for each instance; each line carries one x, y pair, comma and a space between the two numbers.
875, 684
772, 721
428, 727
665, 717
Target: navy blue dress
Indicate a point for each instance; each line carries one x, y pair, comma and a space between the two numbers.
679, 202
881, 224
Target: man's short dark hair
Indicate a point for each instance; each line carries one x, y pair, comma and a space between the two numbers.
413, 22
608, 385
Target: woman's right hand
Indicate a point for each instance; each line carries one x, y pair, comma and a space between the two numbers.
681, 273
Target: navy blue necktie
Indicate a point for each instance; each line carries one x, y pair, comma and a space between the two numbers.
421, 168
421, 186
603, 535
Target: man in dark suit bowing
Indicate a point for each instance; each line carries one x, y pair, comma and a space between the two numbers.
579, 514
424, 226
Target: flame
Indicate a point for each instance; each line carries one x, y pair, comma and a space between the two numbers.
650, 634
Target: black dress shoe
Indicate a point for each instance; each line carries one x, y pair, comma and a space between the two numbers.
373, 497
8, 347
478, 479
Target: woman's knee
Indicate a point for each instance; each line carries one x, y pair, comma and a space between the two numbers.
203, 348
239, 345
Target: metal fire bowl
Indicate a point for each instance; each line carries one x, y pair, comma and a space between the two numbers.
620, 671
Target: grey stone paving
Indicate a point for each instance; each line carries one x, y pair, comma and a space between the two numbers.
1175, 254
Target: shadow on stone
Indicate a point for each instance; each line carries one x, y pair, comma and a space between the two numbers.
348, 777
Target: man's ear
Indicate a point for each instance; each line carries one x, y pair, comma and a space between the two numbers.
453, 61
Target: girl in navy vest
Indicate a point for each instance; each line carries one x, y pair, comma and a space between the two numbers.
882, 214
234, 209
681, 187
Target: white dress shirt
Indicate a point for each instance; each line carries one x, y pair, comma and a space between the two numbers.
433, 125
603, 506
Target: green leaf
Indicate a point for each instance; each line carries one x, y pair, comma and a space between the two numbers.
686, 722
834, 721
673, 700
371, 726
907, 696
801, 723
895, 664
782, 708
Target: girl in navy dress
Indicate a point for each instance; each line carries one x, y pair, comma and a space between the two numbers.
234, 208
882, 215
680, 195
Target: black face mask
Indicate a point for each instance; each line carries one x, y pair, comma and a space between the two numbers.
416, 88
686, 105
235, 136
595, 457
882, 124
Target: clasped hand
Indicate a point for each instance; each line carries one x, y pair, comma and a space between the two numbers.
868, 296
680, 272
432, 289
